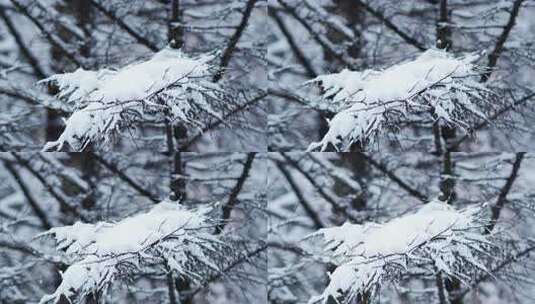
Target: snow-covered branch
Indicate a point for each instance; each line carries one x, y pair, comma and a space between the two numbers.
107, 101
169, 236
435, 86
435, 237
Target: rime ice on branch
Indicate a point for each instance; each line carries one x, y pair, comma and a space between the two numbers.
168, 237
434, 87
436, 237
169, 84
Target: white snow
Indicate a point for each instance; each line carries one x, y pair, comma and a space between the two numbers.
106, 99
98, 250
436, 234
435, 81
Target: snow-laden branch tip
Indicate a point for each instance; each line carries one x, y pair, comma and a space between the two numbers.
435, 85
437, 235
168, 236
106, 101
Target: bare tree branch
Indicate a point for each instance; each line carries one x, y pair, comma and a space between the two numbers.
233, 197
50, 188
502, 197
389, 24
234, 264
490, 274
49, 36
32, 60
335, 54
238, 109
336, 207
231, 47
299, 55
493, 117
301, 199
127, 28
39, 212
114, 169
396, 179
498, 48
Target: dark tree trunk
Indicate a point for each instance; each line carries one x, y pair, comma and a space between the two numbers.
443, 26
175, 31
447, 179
